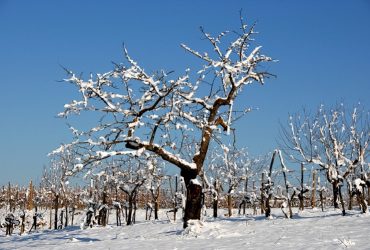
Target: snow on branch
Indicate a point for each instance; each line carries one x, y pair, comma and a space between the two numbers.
161, 114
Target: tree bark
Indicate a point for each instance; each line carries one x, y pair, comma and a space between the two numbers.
245, 190
23, 217
229, 204
129, 213
350, 196
103, 211
156, 208
215, 206
175, 200
73, 214
193, 204
335, 194
287, 194
56, 203
341, 200
301, 195
269, 186
313, 192
50, 215
215, 198
66, 218
262, 194
322, 200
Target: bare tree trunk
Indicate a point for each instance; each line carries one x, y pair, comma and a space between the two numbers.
61, 219
350, 196
269, 186
66, 218
229, 204
56, 204
156, 208
322, 200
360, 194
23, 217
129, 213
215, 198
118, 216
313, 192
254, 203
301, 196
262, 193
73, 214
134, 213
50, 215
287, 194
193, 205
245, 189
118, 209
215, 206
103, 210
341, 200
335, 194
175, 201
156, 202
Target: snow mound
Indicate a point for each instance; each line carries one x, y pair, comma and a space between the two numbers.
73, 239
344, 242
194, 228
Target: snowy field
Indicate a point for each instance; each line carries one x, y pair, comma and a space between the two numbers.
311, 229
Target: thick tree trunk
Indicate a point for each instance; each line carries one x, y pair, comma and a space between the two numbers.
193, 205
335, 194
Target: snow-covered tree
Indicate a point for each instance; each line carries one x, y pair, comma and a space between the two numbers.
55, 179
335, 140
155, 180
229, 169
134, 174
164, 114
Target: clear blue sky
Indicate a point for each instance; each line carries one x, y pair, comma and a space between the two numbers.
323, 48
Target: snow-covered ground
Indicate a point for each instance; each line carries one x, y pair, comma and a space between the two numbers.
311, 229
